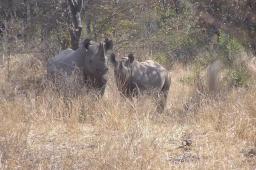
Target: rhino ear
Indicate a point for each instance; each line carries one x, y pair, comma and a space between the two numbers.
86, 43
113, 59
131, 58
108, 44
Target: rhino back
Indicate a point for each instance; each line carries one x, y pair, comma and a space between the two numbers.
149, 75
66, 61
61, 55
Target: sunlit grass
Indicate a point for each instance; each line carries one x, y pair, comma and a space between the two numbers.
42, 128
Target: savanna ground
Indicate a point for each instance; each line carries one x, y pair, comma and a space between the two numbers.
41, 128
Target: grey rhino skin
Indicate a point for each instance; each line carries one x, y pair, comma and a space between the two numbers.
90, 59
134, 77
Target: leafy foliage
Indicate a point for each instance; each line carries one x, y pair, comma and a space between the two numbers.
165, 30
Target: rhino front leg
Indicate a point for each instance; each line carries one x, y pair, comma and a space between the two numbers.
100, 86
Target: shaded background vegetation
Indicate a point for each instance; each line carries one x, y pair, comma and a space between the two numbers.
166, 28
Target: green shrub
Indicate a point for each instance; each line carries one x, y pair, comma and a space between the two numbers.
229, 48
239, 77
160, 58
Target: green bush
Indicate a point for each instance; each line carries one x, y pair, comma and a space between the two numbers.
229, 48
160, 58
239, 77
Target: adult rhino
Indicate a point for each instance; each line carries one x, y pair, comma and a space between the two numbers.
90, 59
134, 77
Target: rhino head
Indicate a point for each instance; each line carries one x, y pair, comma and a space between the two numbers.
123, 66
123, 69
96, 61
97, 55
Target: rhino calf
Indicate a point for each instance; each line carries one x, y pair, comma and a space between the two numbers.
134, 77
90, 59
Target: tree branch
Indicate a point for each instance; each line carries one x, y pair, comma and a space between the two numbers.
75, 32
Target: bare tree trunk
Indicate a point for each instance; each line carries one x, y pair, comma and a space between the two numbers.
88, 24
88, 17
8, 63
76, 30
163, 4
177, 6
94, 28
4, 42
27, 22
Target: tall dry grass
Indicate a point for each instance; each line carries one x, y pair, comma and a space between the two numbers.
42, 128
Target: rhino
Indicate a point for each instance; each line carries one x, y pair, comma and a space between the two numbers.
134, 78
90, 59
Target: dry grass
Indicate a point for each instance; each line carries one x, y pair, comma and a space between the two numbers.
43, 129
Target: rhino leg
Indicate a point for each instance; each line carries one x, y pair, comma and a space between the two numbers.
131, 90
162, 99
163, 95
98, 84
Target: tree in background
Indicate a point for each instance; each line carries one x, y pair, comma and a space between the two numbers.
165, 30
76, 30
237, 18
